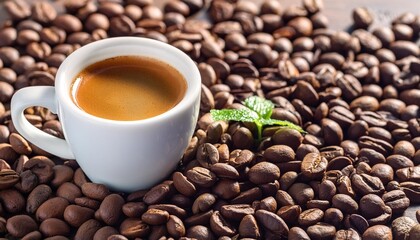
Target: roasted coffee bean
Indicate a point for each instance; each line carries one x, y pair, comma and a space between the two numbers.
313, 166
95, 191
301, 193
53, 227
111, 208
377, 231
321, 231
51, 208
272, 222
69, 191
248, 227
310, 217
362, 18
226, 189
296, 233
401, 227
87, 230
20, 225
76, 215
220, 226
345, 203
263, 172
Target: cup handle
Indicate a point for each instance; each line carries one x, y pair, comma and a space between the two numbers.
43, 96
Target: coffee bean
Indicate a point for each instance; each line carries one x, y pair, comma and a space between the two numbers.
111, 208
43, 12
313, 166
310, 217
87, 230
272, 222
20, 225
105, 232
321, 231
220, 226
301, 193
76, 215
51, 208
345, 203
69, 191
414, 232
362, 18
95, 191
374, 232
37, 197
263, 172
296, 233
248, 227
226, 189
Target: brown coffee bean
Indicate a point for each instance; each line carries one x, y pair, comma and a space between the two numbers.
175, 226
121, 25
279, 153
62, 174
220, 226
236, 212
134, 209
345, 203
155, 217
362, 17
53, 227
111, 208
401, 227
200, 232
263, 172
95, 191
332, 131
133, 227
69, 191
18, 9
76, 215
321, 231
104, 233
296, 233
249, 227
8, 36
51, 208
87, 230
68, 23
20, 225
378, 232
8, 178
87, 202
301, 193
313, 166
158, 193
182, 184
37, 197
201, 176
42, 167
226, 189
19, 144
43, 12
272, 222
310, 217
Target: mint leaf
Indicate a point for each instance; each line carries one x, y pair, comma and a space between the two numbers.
263, 107
239, 115
257, 110
282, 123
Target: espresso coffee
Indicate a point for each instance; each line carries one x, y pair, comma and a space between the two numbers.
127, 88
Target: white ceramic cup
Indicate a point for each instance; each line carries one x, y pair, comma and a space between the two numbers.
124, 155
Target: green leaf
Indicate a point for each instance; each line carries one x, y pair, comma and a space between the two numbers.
263, 107
282, 123
240, 115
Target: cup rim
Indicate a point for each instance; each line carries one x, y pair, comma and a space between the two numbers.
192, 92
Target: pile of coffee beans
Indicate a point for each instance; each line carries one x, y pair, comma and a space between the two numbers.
357, 94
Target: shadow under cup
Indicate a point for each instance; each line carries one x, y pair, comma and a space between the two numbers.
128, 155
